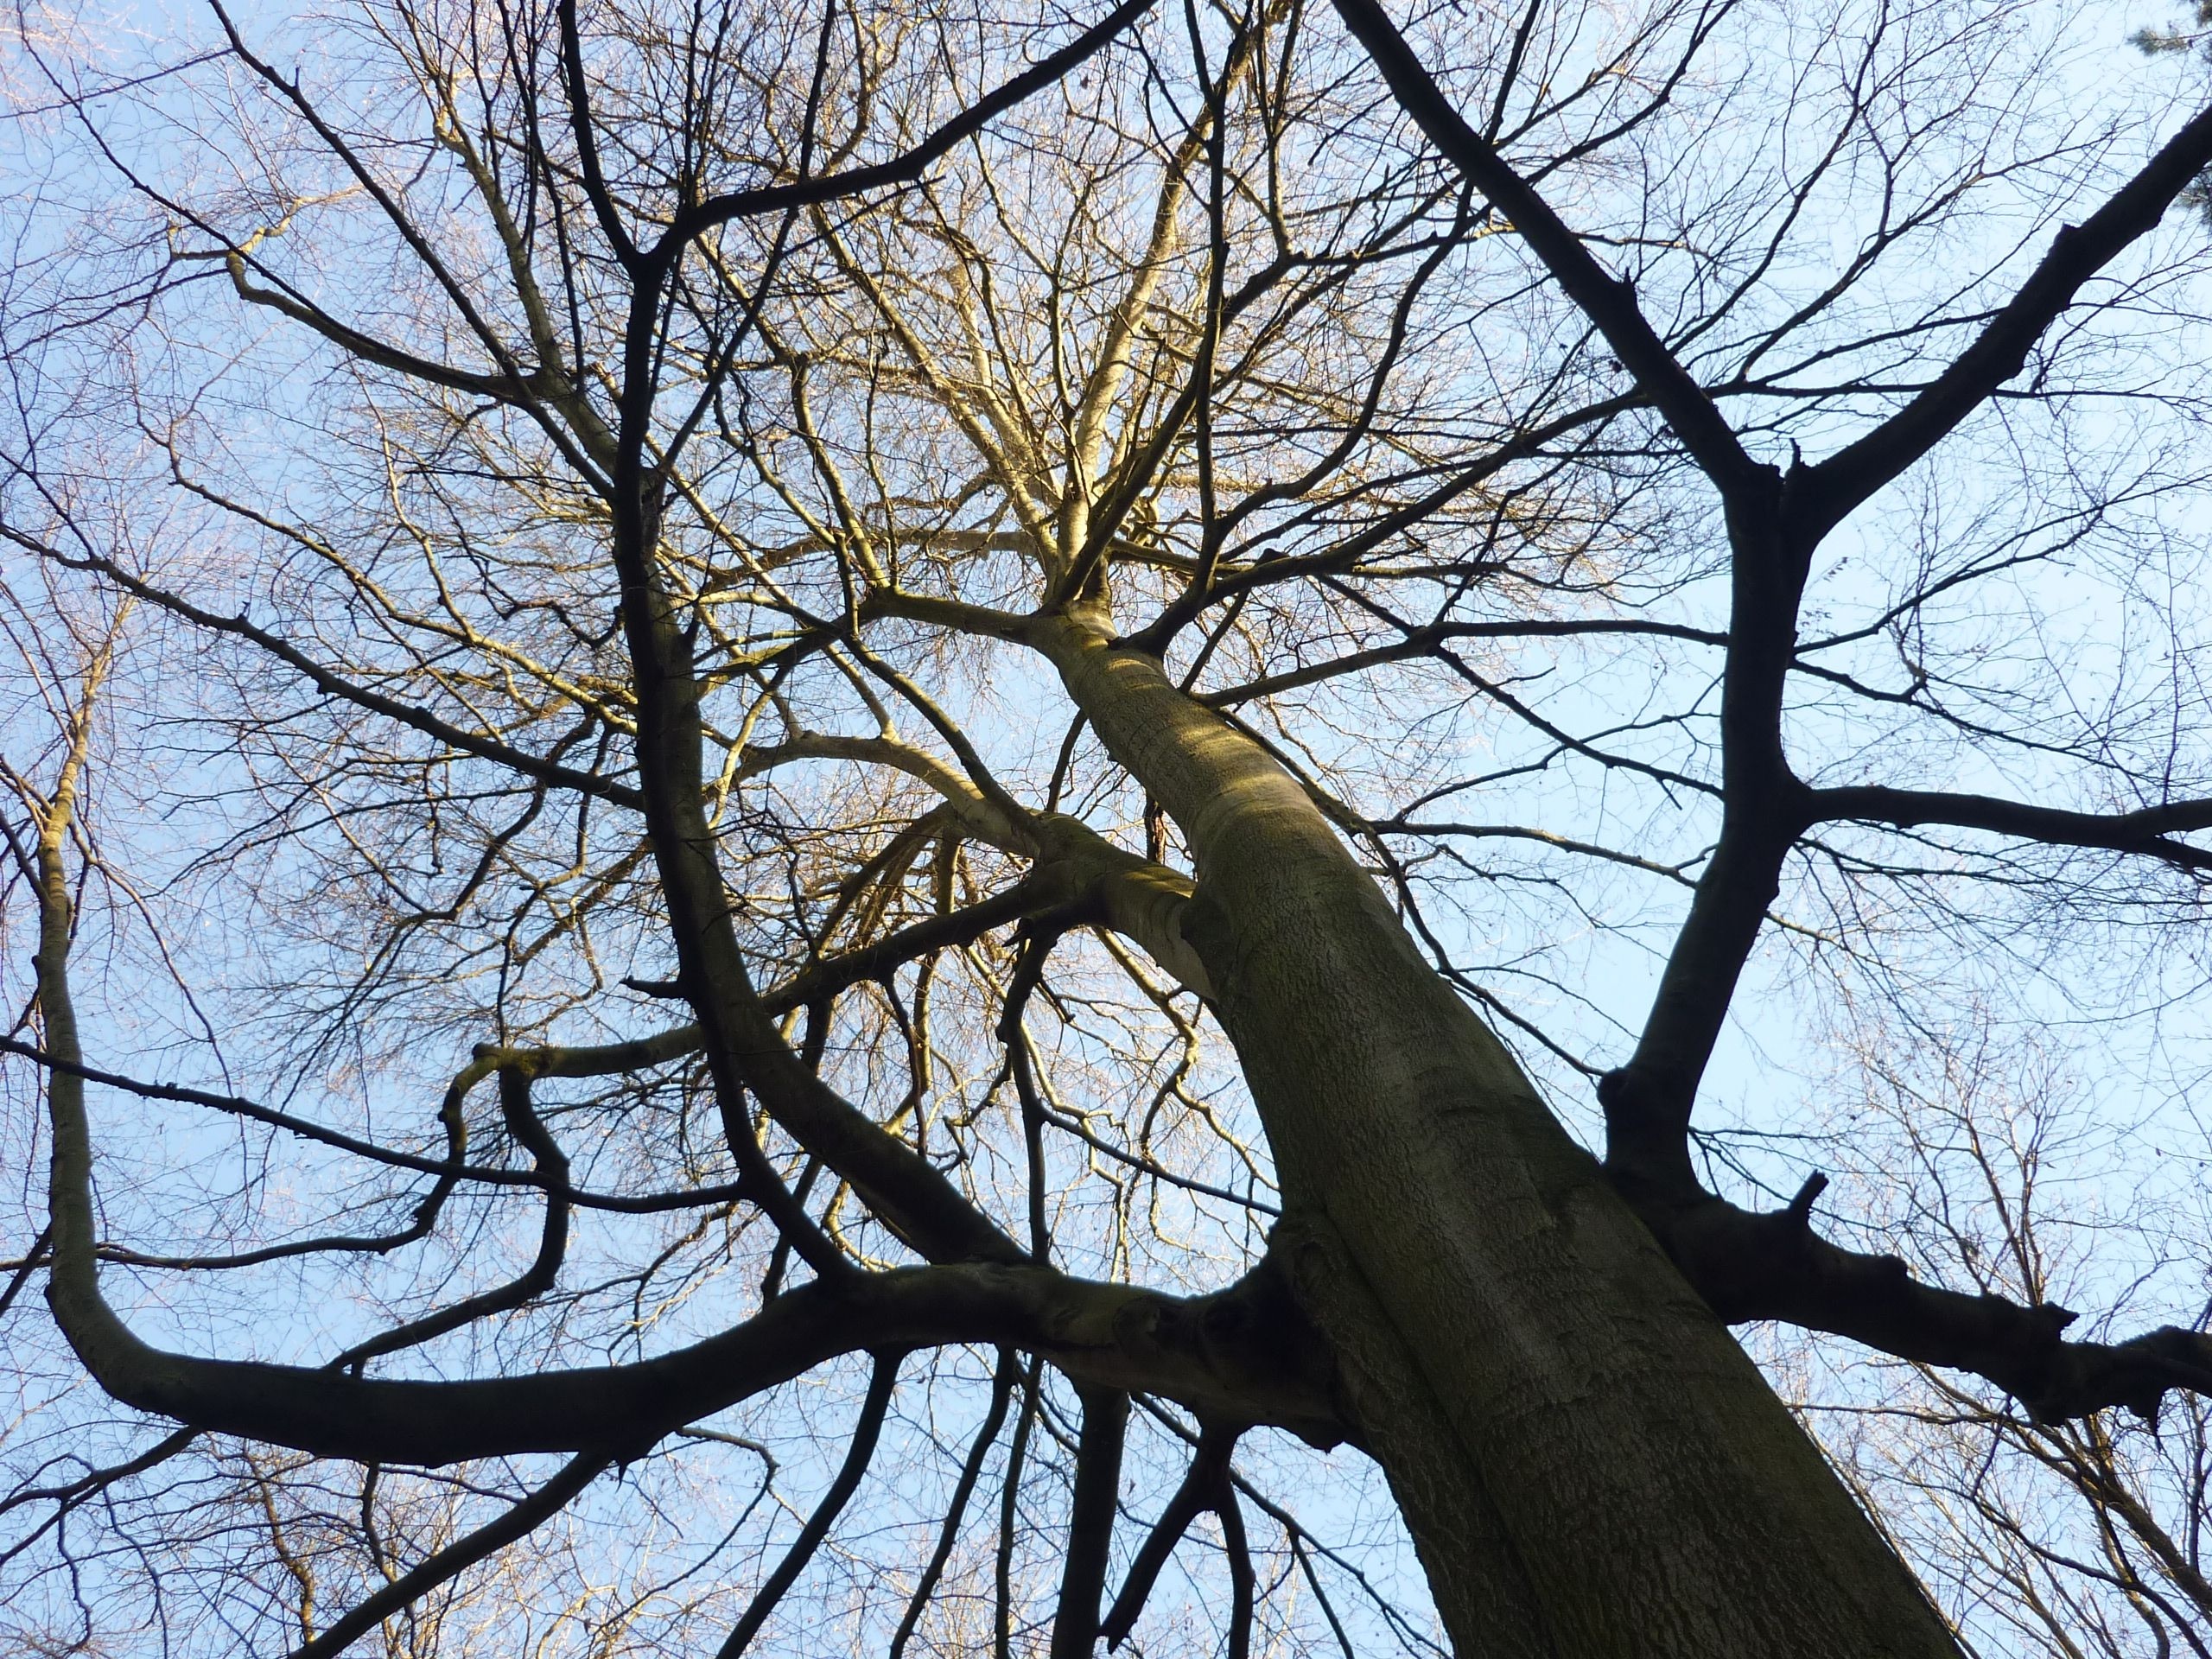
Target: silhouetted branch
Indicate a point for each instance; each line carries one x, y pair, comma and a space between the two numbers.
405, 713
693, 222
2147, 830
1002, 1382
1823, 494
1772, 1265
859, 1453
1201, 1489
1090, 1523
1607, 300
457, 1557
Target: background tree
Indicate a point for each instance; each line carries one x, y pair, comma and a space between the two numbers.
851, 638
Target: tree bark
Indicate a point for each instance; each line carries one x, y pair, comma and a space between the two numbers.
1588, 1463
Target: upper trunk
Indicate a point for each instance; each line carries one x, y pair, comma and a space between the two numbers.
1588, 1463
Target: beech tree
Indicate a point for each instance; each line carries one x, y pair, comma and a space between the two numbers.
830, 831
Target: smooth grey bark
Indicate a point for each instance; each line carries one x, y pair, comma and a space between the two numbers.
1588, 1463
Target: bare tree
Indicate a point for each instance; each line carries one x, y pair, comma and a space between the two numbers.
789, 701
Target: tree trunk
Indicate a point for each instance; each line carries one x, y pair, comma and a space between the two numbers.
1588, 1463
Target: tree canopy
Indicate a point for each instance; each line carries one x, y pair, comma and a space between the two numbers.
959, 830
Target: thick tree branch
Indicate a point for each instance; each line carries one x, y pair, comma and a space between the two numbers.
2148, 830
547, 1160
1649, 1101
743, 1048
1822, 494
1774, 523
457, 1557
583, 128
1202, 1489
1772, 1265
859, 1453
1090, 1523
1607, 300
955, 1511
500, 387
1243, 1351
